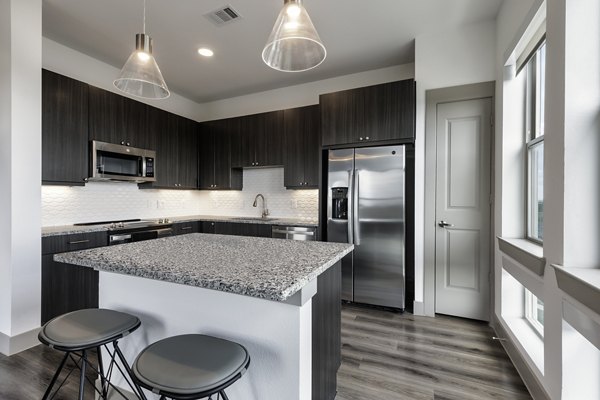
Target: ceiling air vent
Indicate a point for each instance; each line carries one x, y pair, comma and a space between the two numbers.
223, 16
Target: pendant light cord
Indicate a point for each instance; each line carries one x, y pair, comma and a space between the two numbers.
144, 25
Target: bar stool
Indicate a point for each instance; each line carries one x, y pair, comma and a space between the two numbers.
78, 332
190, 367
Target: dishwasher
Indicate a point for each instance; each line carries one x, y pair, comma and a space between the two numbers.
294, 232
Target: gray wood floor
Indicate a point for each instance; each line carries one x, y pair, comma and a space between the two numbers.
391, 356
384, 356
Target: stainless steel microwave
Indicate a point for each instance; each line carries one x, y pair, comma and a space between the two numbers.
114, 162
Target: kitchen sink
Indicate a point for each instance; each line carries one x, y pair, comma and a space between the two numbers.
252, 219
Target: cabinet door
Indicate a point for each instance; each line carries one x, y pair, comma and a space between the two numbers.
338, 117
294, 148
226, 177
135, 127
248, 135
106, 116
188, 154
224, 228
312, 146
269, 139
64, 129
207, 227
302, 147
66, 288
232, 127
389, 111
117, 119
206, 157
263, 230
183, 228
369, 114
164, 126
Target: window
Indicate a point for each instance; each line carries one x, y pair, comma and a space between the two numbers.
534, 312
534, 142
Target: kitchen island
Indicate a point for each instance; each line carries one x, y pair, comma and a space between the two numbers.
278, 298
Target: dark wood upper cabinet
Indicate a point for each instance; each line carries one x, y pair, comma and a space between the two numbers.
370, 114
176, 145
120, 120
187, 149
64, 130
261, 139
215, 157
302, 143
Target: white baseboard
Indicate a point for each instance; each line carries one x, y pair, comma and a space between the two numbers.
418, 308
10, 345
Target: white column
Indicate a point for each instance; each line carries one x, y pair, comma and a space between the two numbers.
20, 172
571, 162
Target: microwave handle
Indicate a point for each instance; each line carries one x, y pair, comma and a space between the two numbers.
143, 165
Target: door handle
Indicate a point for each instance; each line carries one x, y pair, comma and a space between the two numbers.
355, 215
350, 211
444, 224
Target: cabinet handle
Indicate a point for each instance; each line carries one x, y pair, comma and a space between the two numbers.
79, 241
185, 228
257, 163
360, 138
367, 138
129, 144
123, 142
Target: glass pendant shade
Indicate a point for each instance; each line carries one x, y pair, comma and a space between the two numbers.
294, 44
140, 75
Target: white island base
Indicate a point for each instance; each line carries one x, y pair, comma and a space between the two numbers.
278, 335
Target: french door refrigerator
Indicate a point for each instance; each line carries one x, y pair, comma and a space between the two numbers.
366, 207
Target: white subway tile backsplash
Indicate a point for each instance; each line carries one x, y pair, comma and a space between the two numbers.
99, 201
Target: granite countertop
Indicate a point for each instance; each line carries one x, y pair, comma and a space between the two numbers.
72, 229
272, 269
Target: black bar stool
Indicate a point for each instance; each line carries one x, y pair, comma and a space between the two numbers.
190, 367
77, 333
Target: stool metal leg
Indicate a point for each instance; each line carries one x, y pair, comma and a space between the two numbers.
82, 376
222, 393
55, 377
128, 369
102, 376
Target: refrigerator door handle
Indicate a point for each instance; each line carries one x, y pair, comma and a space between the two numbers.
355, 216
350, 215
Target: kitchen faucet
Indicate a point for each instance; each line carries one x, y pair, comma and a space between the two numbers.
265, 212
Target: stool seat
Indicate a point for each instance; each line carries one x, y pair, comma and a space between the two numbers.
87, 328
190, 364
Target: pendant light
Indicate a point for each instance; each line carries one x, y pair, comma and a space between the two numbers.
294, 44
140, 75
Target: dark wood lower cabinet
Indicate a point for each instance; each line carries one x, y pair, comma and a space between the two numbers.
235, 228
66, 288
243, 229
326, 333
183, 228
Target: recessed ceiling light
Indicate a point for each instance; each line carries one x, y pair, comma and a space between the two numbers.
205, 52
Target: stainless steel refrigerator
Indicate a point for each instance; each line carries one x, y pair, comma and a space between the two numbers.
366, 206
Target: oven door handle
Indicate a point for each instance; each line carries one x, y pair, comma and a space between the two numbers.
118, 238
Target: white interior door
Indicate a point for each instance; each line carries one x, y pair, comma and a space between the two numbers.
462, 266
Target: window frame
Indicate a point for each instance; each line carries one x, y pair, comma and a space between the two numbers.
534, 128
530, 313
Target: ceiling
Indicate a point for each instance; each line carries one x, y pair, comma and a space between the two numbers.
359, 35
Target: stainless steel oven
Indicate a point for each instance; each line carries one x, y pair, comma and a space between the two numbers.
121, 163
138, 235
